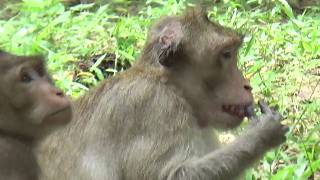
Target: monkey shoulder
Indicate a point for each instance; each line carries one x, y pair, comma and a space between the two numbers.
17, 160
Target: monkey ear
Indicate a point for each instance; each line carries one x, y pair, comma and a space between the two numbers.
196, 14
169, 42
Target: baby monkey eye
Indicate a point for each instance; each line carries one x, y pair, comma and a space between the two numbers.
25, 77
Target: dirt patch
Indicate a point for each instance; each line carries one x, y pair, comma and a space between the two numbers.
310, 90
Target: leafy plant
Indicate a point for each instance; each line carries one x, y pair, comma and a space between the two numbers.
87, 43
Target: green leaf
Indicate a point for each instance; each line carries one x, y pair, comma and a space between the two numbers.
286, 8
315, 166
285, 173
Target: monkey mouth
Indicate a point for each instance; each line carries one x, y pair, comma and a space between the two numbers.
239, 110
59, 116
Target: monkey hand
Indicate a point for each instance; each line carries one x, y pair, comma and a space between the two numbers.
268, 126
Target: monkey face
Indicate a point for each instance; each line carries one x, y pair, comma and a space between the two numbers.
216, 89
227, 96
30, 92
201, 57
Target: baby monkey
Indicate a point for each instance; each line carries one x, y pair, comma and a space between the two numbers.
30, 107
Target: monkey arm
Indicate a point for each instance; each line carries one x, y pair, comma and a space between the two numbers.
225, 163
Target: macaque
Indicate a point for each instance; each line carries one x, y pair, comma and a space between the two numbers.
30, 108
156, 120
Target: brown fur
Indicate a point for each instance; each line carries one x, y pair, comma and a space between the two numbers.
30, 108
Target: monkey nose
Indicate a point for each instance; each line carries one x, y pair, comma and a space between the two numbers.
58, 92
247, 87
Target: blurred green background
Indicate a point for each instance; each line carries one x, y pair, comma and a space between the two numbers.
86, 43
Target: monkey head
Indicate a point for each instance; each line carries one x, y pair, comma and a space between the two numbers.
29, 96
200, 58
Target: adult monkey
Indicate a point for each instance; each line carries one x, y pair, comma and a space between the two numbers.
155, 120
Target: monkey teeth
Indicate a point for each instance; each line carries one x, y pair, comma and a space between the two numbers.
236, 110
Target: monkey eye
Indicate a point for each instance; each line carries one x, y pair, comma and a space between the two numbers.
25, 77
40, 70
226, 55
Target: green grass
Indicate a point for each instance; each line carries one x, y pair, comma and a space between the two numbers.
281, 55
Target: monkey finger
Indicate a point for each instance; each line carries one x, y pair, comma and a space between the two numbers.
253, 118
253, 121
277, 116
275, 108
264, 107
250, 112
